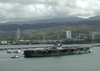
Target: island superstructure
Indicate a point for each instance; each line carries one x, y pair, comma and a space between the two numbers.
58, 49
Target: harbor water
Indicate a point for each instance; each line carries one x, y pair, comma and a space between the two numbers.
76, 62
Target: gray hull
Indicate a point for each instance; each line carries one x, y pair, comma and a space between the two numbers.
54, 52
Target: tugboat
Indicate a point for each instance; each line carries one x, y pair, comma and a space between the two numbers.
16, 56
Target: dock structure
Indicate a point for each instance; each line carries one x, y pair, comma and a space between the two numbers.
64, 47
67, 47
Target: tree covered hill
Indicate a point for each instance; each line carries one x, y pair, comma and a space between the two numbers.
11, 27
35, 31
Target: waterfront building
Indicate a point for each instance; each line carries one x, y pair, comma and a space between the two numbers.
57, 36
75, 37
68, 34
91, 37
94, 33
16, 35
81, 36
44, 37
65, 40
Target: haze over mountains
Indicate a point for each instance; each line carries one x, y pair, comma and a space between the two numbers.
71, 19
50, 23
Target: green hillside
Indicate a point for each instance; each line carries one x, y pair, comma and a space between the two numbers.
51, 30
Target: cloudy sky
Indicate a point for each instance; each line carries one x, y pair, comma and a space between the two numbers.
15, 10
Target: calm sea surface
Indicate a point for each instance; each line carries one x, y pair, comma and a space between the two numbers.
77, 62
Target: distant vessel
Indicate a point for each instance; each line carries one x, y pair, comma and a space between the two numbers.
10, 51
58, 49
16, 56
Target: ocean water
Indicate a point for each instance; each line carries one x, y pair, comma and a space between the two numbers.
76, 62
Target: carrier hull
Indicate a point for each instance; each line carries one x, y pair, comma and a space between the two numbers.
55, 52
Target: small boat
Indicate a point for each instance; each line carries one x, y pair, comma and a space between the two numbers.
16, 56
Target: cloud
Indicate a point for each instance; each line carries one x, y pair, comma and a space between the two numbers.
11, 10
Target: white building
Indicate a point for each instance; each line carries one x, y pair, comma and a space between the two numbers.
16, 35
68, 34
3, 42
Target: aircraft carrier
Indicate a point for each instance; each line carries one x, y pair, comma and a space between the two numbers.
58, 49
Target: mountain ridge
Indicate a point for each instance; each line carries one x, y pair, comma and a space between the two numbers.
71, 19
